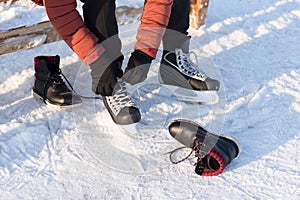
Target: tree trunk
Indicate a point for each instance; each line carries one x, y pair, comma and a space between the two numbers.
198, 13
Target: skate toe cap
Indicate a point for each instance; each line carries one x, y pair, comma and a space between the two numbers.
212, 84
128, 115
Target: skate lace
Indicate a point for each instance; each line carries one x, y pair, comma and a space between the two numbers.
120, 98
56, 79
187, 65
196, 147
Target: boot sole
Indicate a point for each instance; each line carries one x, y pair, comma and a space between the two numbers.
52, 104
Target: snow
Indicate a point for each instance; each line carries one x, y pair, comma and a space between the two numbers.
251, 46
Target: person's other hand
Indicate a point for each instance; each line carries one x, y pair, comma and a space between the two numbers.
137, 67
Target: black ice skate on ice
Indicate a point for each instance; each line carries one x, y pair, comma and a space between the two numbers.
179, 74
213, 152
121, 108
49, 85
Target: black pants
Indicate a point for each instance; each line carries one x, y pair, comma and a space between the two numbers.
99, 17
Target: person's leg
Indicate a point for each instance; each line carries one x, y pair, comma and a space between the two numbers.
179, 19
99, 16
176, 33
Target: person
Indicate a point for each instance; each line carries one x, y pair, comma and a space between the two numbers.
94, 38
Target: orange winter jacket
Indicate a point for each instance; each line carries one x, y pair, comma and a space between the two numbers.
70, 26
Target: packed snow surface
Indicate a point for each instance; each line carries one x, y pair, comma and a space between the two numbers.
252, 47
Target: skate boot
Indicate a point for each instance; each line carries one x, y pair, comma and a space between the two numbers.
213, 152
49, 85
183, 77
121, 108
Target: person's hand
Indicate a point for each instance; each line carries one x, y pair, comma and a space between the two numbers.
137, 67
104, 74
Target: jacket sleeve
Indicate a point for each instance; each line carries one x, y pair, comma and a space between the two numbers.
154, 20
68, 23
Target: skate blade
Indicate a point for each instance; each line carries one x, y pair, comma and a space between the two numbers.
188, 95
56, 106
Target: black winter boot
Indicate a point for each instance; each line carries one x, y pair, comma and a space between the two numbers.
213, 152
49, 85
